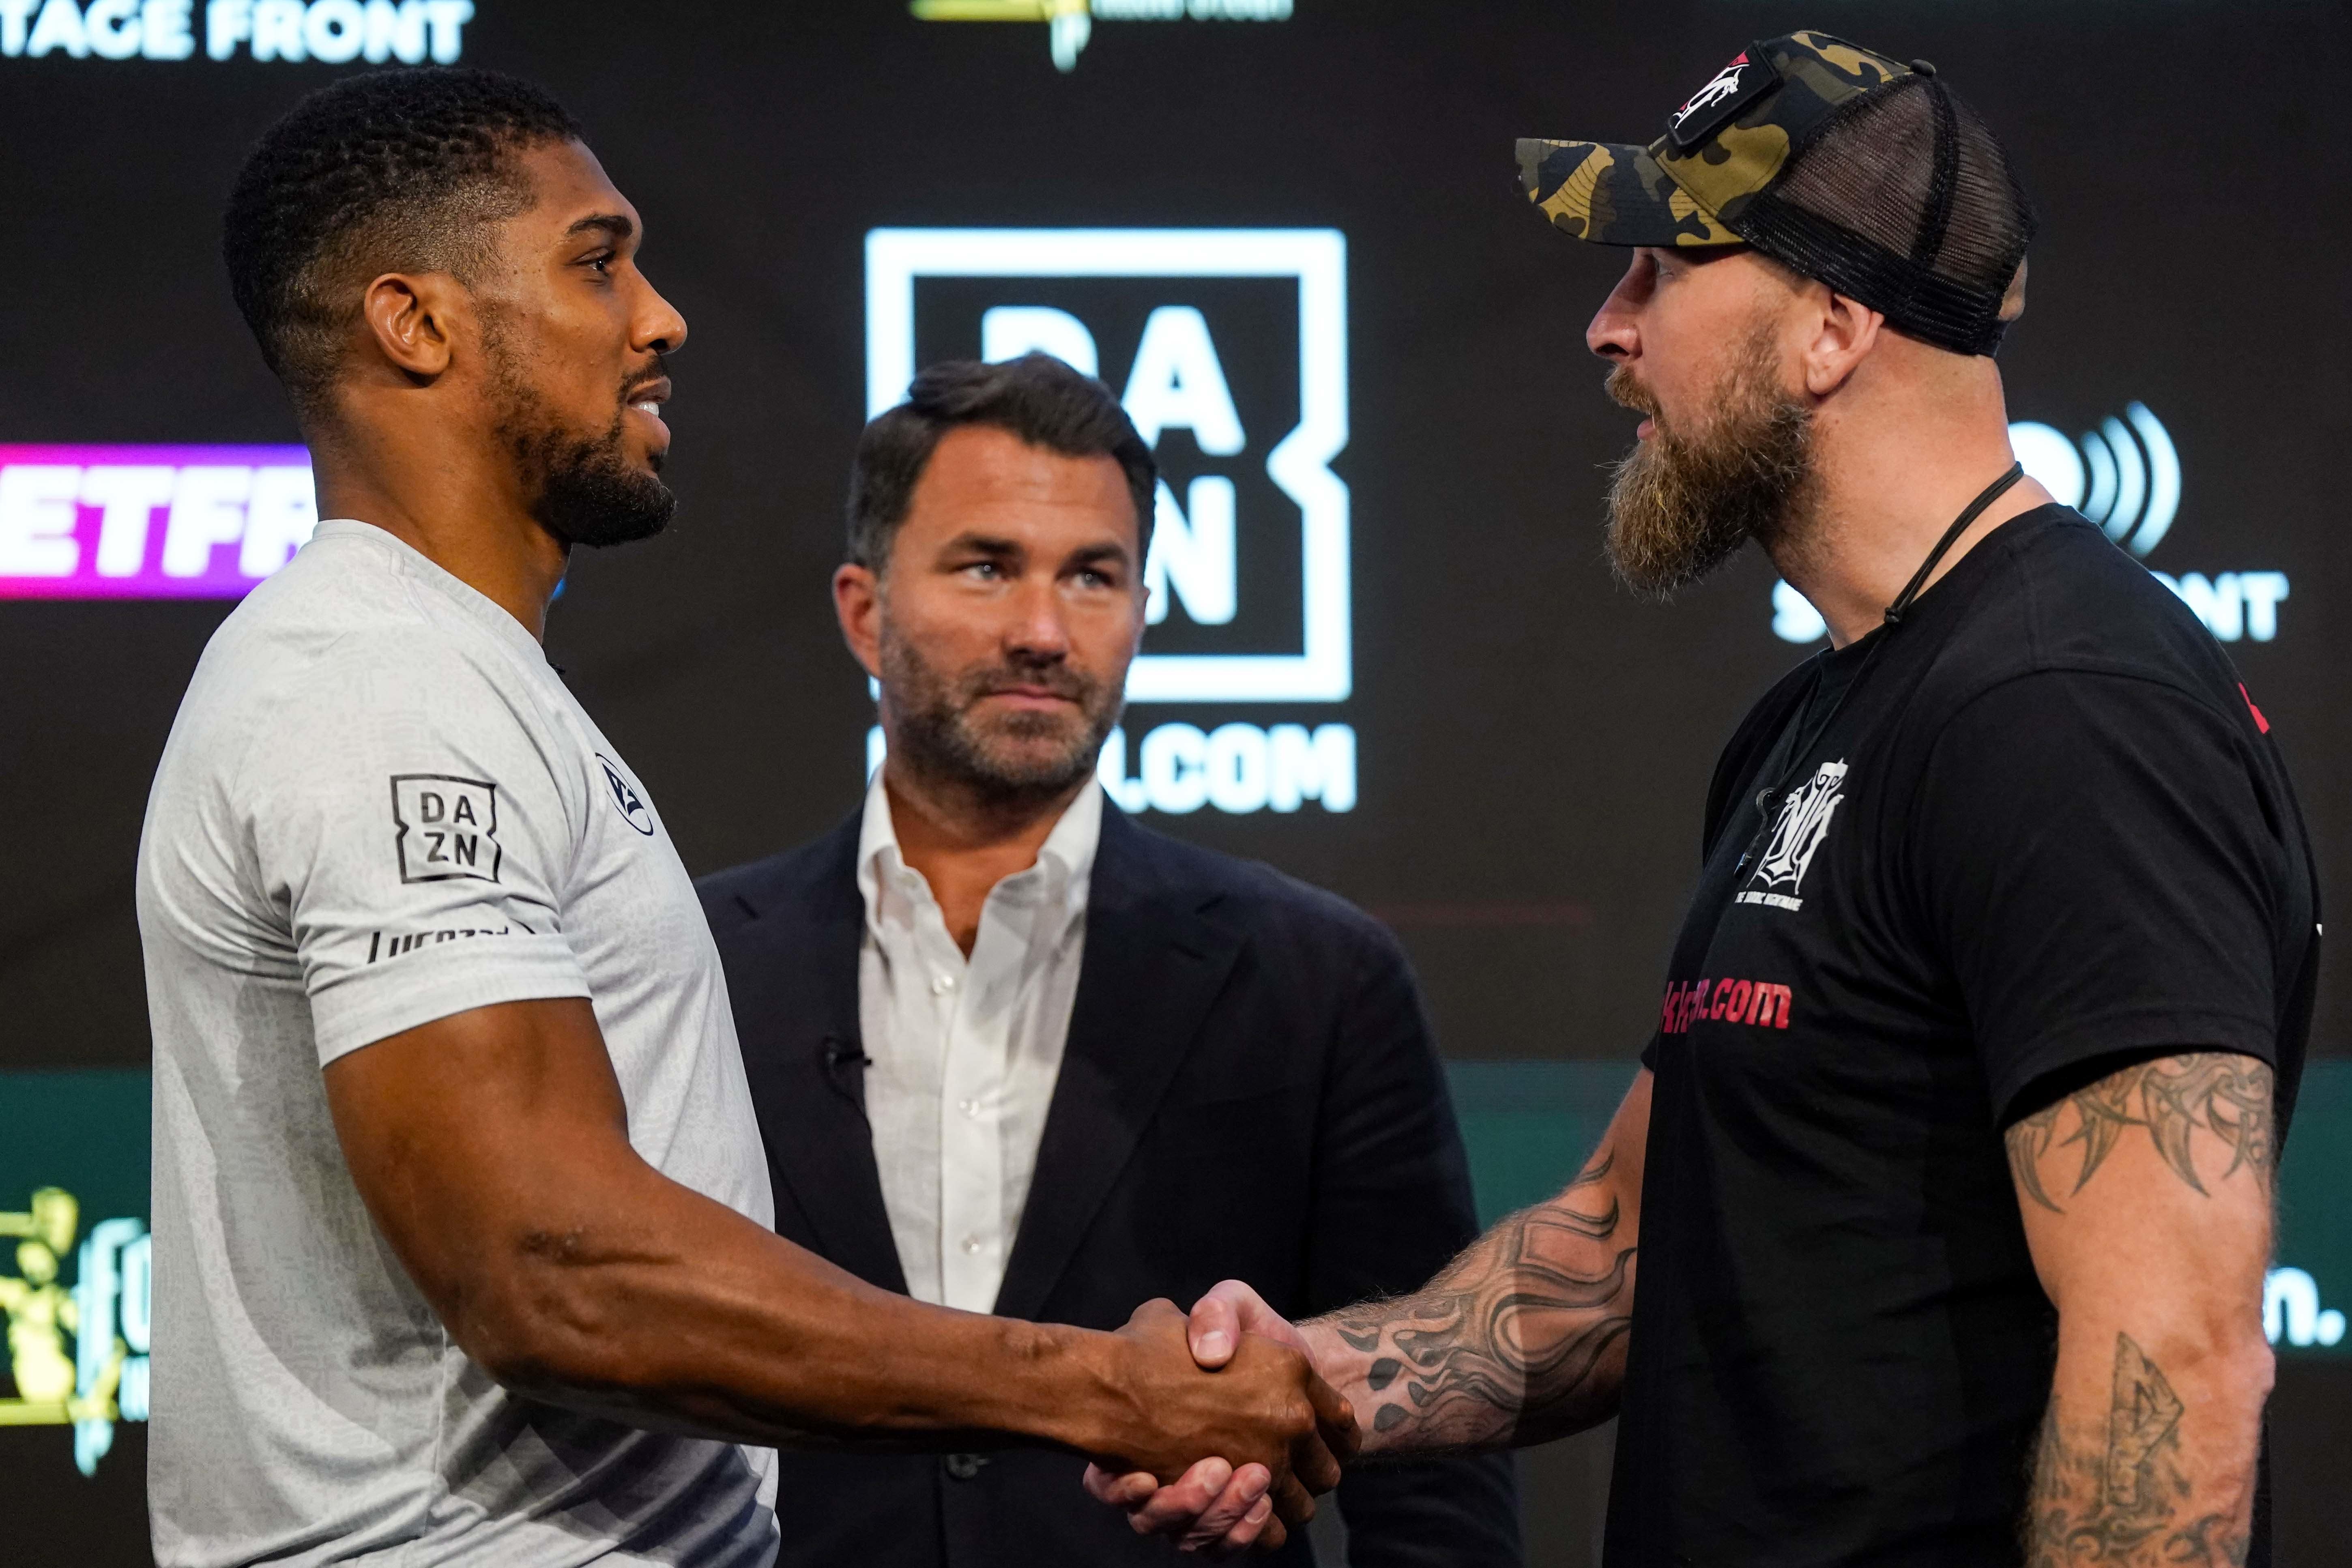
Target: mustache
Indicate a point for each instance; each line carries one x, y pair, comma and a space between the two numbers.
1060, 680
644, 379
1628, 393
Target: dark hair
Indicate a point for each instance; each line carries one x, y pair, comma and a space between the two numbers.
1036, 398
384, 170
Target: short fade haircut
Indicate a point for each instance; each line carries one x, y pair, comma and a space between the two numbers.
387, 171
1036, 398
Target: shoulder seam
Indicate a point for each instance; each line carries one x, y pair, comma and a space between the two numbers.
2144, 678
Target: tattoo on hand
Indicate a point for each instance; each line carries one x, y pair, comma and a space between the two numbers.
1520, 1336
2222, 1092
2123, 1506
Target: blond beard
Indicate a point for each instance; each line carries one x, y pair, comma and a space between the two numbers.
1681, 504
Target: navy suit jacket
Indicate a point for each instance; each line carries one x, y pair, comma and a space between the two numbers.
1249, 1090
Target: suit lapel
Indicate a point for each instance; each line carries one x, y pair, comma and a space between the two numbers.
1154, 967
794, 976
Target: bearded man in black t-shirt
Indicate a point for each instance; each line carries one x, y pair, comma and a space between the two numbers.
1949, 1171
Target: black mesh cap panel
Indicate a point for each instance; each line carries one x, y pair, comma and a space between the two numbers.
1904, 200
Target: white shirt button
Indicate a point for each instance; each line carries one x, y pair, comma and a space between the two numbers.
942, 984
969, 1107
971, 1244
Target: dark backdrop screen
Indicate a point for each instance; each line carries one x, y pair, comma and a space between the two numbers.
1387, 653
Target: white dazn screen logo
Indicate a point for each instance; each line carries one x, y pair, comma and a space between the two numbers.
1249, 576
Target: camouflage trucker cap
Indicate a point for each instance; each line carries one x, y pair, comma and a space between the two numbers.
1868, 174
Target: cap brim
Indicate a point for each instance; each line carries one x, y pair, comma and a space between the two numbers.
1608, 193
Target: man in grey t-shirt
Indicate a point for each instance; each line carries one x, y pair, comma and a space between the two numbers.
462, 1251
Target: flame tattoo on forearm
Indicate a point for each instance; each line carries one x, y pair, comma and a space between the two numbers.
1521, 1339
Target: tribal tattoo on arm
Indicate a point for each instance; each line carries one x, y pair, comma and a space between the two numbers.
2141, 1464
1520, 1340
2125, 1500
2220, 1093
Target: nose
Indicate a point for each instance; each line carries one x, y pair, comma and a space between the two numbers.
1611, 333
660, 329
1039, 632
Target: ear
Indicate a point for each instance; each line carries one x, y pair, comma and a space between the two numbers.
2012, 298
857, 604
1844, 331
413, 320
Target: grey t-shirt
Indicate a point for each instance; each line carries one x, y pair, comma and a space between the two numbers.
380, 806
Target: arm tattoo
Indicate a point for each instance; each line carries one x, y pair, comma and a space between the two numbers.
2123, 1505
2222, 1092
1521, 1338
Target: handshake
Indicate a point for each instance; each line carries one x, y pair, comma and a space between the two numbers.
1234, 1460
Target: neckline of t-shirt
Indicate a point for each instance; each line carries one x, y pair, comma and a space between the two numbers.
477, 605
1963, 573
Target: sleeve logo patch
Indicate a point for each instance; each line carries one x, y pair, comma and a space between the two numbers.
448, 828
633, 806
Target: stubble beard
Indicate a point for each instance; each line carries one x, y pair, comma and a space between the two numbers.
1683, 502
582, 488
1011, 762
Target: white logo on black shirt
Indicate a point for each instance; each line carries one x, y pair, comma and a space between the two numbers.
1804, 822
448, 828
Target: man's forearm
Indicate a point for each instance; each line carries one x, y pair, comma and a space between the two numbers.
1520, 1340
491, 1148
666, 1309
2149, 1452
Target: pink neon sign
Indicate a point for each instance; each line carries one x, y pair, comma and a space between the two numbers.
150, 522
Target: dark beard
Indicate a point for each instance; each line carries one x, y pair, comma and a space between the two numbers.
1683, 504
935, 733
582, 488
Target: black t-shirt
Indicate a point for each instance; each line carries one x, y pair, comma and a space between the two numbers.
2037, 827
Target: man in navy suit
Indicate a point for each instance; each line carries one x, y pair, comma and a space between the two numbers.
1011, 1052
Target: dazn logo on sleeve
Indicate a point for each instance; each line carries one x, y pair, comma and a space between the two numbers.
448, 828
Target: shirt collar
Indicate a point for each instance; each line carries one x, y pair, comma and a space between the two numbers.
1067, 854
422, 568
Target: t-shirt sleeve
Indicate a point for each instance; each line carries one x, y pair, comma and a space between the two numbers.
2095, 857
407, 815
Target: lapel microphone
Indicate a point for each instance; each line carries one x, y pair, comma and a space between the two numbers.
839, 1057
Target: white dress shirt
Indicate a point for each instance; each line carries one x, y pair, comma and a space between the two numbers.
964, 1052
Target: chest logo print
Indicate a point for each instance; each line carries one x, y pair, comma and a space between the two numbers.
1804, 821
634, 809
448, 828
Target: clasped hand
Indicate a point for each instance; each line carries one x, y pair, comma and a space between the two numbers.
1239, 1497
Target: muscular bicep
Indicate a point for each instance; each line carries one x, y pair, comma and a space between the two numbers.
481, 1140
2155, 1181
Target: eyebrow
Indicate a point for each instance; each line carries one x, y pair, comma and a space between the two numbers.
997, 546
616, 225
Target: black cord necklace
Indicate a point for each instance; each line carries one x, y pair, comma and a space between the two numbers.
1796, 754
1985, 498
